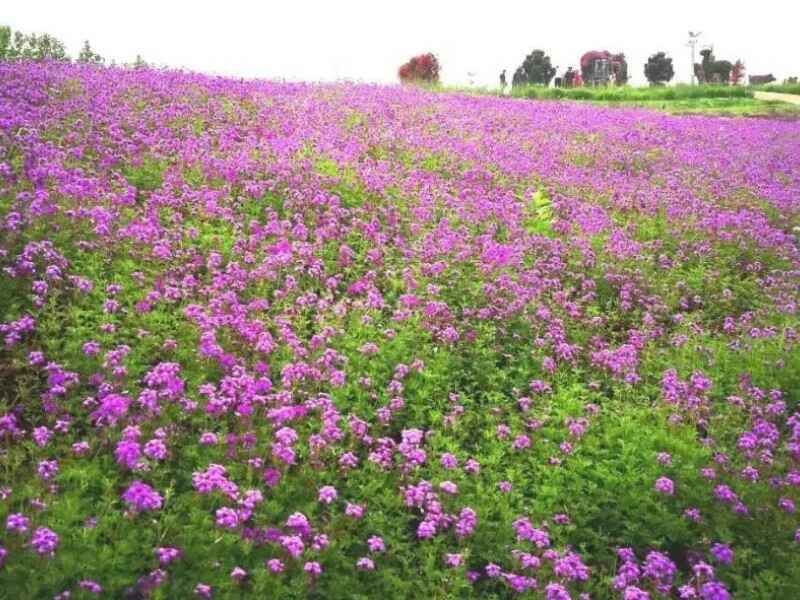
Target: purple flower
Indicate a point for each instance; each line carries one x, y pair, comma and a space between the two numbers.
48, 469
313, 568
448, 487
556, 591
17, 523
693, 514
570, 566
45, 541
167, 555
522, 442
275, 565
91, 586
272, 477
140, 497
293, 544
299, 522
714, 590
426, 530
320, 542
561, 519
723, 553
664, 485
634, 593
472, 466
208, 438
454, 560
354, 510
449, 461
81, 448
526, 531
659, 567
376, 544
155, 449
703, 570
787, 505
365, 564
664, 458
467, 521
227, 518
91, 348
128, 453
327, 494
42, 436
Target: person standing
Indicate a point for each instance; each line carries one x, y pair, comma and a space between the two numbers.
503, 81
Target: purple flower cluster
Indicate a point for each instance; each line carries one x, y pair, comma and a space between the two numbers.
140, 497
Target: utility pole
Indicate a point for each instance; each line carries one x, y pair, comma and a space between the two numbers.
693, 35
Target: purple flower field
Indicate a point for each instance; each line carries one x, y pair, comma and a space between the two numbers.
347, 341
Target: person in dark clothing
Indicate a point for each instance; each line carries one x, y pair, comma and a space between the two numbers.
520, 78
503, 81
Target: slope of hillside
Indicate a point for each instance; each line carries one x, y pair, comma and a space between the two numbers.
340, 341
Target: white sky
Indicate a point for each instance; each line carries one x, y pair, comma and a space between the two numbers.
368, 40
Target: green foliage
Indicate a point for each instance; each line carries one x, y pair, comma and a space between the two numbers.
146, 176
658, 69
780, 88
87, 55
31, 46
536, 69
5, 41
634, 94
680, 99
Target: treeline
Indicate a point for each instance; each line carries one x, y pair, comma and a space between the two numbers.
16, 45
597, 68
537, 69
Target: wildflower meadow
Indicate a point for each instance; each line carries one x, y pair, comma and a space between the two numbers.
279, 340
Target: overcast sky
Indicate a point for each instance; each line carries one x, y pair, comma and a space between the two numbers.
317, 40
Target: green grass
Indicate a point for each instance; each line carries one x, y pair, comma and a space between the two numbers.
633, 94
678, 99
738, 107
781, 88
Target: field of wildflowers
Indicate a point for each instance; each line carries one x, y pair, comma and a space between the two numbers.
343, 341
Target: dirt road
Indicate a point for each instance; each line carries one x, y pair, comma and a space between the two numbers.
774, 96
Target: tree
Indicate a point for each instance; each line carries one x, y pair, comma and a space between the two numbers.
537, 68
658, 69
5, 41
713, 70
140, 63
420, 69
619, 67
737, 73
87, 55
520, 78
30, 46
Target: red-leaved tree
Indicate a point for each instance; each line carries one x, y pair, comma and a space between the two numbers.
422, 68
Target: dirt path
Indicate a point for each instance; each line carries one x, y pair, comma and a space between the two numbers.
774, 96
